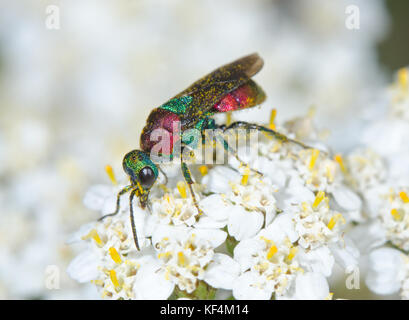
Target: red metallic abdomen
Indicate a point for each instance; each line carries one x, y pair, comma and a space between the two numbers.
162, 130
245, 96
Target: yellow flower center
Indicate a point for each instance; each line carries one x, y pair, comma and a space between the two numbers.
93, 234
318, 199
396, 215
245, 178
181, 259
272, 251
403, 78
314, 156
203, 170
403, 195
332, 222
115, 255
182, 189
340, 161
273, 115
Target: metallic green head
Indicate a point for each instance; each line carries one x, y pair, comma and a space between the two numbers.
140, 168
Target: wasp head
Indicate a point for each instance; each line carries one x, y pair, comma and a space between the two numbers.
142, 172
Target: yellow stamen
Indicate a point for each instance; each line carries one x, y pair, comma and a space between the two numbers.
167, 274
114, 279
312, 111
276, 146
111, 174
273, 115
181, 259
166, 254
267, 240
98, 282
318, 199
182, 189
395, 214
164, 188
203, 170
314, 156
338, 158
245, 178
228, 118
115, 255
329, 297
93, 234
272, 251
403, 195
293, 252
332, 222
403, 78
329, 174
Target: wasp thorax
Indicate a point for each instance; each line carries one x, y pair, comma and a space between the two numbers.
140, 168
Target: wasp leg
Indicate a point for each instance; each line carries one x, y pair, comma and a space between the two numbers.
188, 178
233, 152
275, 134
120, 193
164, 174
135, 237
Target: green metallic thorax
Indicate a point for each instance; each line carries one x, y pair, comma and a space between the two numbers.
178, 106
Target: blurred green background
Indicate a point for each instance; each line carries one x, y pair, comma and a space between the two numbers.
393, 51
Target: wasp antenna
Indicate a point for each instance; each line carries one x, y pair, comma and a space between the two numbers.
164, 174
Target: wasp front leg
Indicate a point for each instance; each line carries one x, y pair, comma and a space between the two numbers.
118, 201
189, 181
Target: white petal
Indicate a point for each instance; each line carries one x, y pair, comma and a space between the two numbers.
217, 180
222, 272
96, 196
244, 224
210, 223
282, 227
171, 232
245, 253
84, 267
214, 236
347, 199
215, 207
386, 271
246, 288
311, 286
151, 284
368, 236
296, 192
374, 200
345, 253
319, 260
270, 168
77, 236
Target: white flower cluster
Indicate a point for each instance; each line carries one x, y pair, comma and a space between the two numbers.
276, 235
379, 173
78, 100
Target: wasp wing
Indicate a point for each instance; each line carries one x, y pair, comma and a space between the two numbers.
210, 89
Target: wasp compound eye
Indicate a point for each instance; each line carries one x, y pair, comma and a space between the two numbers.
146, 177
